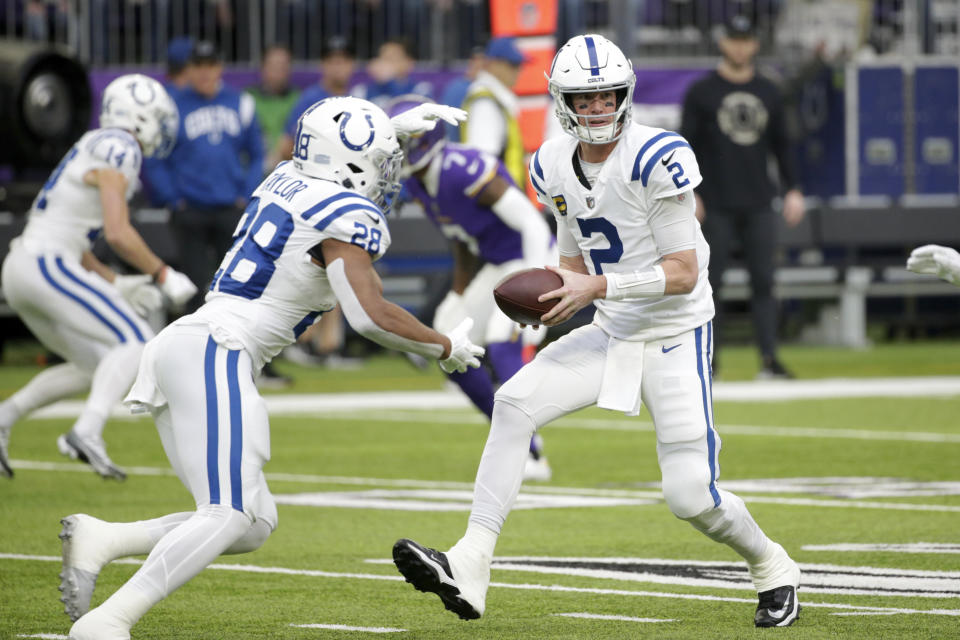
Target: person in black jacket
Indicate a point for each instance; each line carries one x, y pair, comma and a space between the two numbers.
734, 120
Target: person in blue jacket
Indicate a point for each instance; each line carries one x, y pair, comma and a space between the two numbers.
217, 161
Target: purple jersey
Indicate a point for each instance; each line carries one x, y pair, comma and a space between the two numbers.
448, 194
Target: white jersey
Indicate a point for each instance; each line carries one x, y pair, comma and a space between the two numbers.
67, 215
267, 290
610, 223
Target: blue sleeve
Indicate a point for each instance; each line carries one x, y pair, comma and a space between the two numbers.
158, 178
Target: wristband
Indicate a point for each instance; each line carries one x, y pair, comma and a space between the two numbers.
648, 283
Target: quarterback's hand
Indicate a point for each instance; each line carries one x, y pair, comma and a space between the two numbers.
578, 290
449, 313
423, 118
463, 353
177, 286
139, 292
932, 259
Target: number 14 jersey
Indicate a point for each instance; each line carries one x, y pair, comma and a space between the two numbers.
610, 223
267, 291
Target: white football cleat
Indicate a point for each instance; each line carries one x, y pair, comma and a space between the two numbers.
83, 549
95, 626
537, 468
93, 452
460, 582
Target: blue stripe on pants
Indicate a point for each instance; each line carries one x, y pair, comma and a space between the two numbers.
236, 431
106, 300
210, 378
711, 437
41, 261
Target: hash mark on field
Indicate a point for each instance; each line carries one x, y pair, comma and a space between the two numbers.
45, 636
343, 627
599, 616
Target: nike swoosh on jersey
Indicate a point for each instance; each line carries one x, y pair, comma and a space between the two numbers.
669, 349
376, 219
666, 160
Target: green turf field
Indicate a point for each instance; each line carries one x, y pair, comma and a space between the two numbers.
818, 475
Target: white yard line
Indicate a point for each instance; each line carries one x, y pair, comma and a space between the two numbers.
343, 627
600, 616
520, 586
398, 482
915, 547
752, 391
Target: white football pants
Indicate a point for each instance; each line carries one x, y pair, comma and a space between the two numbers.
81, 317
677, 390
211, 419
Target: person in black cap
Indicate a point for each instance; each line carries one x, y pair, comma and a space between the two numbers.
734, 120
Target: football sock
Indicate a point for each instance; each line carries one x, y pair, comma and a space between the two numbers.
506, 358
501, 466
111, 382
179, 555
478, 539
52, 384
477, 385
732, 525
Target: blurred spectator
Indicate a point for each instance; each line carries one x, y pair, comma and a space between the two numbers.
734, 120
492, 124
274, 96
216, 164
390, 74
179, 51
456, 90
336, 70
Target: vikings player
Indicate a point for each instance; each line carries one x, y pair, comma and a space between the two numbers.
75, 305
469, 195
307, 241
622, 195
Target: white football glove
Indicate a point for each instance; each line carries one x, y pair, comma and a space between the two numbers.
139, 292
177, 287
449, 313
423, 118
932, 259
463, 353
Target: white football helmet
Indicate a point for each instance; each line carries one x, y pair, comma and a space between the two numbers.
587, 64
352, 142
142, 106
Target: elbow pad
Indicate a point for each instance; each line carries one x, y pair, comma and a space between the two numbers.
364, 324
648, 283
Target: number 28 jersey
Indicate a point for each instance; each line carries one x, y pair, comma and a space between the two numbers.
267, 291
611, 223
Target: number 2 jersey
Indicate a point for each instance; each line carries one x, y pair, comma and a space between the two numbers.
67, 216
267, 291
610, 223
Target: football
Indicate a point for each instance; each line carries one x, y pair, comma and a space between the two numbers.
517, 294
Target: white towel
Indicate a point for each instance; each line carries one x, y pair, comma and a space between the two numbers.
622, 374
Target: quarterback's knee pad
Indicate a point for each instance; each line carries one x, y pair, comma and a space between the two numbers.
686, 484
508, 415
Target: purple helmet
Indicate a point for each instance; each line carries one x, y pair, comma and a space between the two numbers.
420, 150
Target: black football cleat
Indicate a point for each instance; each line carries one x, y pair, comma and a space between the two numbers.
429, 571
778, 607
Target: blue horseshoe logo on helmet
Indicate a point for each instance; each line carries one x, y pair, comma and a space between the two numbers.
343, 133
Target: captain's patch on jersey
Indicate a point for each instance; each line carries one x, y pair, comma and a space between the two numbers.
561, 204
